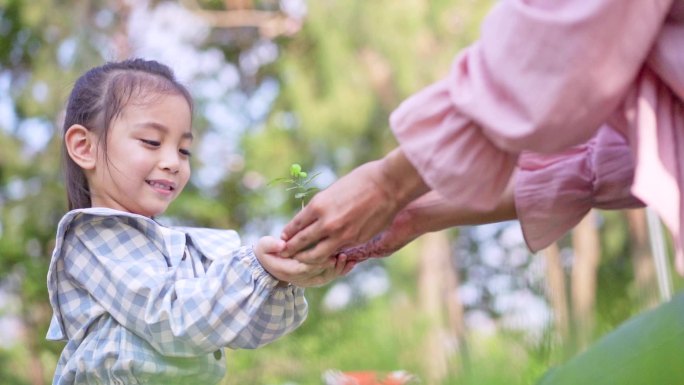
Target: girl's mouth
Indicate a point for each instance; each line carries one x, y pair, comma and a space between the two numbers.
161, 185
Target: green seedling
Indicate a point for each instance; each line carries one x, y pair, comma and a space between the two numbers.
298, 183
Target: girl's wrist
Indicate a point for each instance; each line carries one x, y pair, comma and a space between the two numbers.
263, 265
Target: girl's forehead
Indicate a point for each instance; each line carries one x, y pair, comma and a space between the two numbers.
155, 102
153, 97
164, 110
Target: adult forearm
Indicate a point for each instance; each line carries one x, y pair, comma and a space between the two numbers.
432, 212
400, 179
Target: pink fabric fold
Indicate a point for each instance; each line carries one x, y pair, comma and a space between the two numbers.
553, 192
543, 77
450, 133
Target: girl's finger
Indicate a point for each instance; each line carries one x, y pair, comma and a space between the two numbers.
271, 245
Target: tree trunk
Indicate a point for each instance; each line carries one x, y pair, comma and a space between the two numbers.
437, 284
241, 14
585, 242
35, 369
556, 292
122, 42
238, 4
31, 317
645, 280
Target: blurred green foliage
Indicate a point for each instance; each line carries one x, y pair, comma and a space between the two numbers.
339, 78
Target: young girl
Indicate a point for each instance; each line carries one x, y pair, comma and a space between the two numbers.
138, 302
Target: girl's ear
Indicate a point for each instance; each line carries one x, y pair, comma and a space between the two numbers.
81, 146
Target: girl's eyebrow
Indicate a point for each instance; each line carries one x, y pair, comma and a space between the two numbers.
163, 128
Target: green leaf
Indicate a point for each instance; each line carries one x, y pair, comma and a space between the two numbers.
312, 178
280, 180
295, 170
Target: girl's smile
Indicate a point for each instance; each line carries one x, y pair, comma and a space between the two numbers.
147, 160
163, 187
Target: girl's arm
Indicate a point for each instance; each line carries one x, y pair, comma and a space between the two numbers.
235, 304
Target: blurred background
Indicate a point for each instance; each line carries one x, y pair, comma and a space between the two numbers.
312, 82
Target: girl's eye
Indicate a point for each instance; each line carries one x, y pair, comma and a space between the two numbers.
152, 143
185, 152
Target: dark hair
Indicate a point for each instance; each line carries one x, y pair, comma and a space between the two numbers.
98, 97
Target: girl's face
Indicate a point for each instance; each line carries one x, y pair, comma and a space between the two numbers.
147, 163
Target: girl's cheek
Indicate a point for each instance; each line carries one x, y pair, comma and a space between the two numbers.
182, 187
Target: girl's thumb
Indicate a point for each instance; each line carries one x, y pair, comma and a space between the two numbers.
272, 245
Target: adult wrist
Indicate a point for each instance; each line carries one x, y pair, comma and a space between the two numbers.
405, 224
400, 179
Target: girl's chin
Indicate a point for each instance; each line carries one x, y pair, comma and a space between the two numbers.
150, 213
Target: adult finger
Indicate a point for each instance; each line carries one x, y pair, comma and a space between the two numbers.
344, 264
320, 251
349, 267
340, 263
304, 239
358, 253
300, 221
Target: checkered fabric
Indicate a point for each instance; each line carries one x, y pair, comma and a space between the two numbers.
141, 303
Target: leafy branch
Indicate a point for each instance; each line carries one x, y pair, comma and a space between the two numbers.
298, 182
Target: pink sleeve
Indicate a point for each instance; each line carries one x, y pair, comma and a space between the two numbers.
553, 192
543, 76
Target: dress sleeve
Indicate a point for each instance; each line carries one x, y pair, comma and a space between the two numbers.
543, 76
235, 304
554, 192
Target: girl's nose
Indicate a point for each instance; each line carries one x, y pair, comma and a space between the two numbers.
170, 161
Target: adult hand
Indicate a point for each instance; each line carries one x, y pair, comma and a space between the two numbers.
397, 235
290, 270
428, 213
353, 209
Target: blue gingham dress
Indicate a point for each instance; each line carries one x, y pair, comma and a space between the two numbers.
141, 303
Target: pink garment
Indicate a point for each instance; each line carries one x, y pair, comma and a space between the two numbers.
543, 77
555, 191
